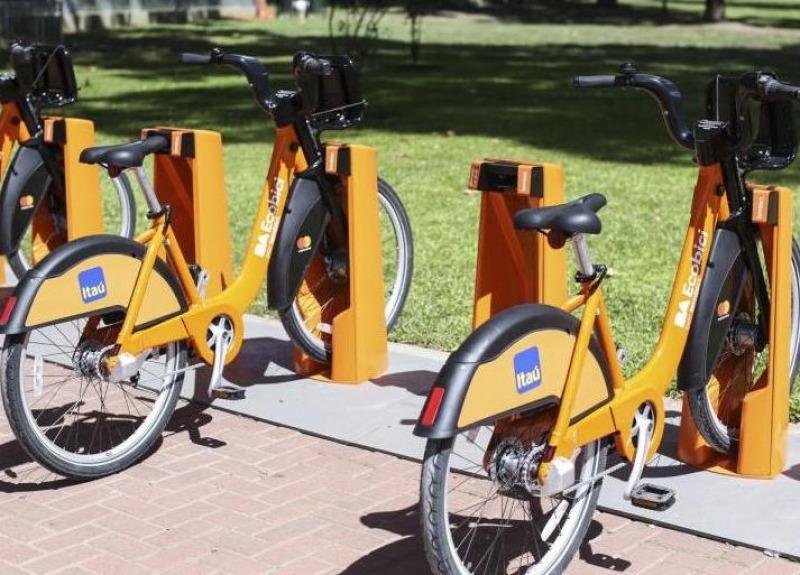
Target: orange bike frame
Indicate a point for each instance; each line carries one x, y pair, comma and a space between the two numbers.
649, 385
236, 298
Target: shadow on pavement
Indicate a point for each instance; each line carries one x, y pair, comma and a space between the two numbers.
418, 382
270, 360
399, 557
262, 361
666, 463
793, 472
20, 474
407, 555
190, 418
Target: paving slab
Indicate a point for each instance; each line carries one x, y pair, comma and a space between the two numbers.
380, 415
224, 495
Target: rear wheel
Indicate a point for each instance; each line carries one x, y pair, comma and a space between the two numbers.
717, 407
481, 512
66, 412
324, 291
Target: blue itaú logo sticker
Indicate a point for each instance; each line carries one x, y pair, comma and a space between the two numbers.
93, 284
528, 370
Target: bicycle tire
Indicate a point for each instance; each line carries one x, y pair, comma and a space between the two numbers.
19, 263
487, 531
711, 426
291, 317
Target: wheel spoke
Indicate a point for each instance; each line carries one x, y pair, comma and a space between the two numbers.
496, 525
73, 412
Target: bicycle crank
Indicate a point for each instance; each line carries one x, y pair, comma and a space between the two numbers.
220, 339
644, 425
645, 495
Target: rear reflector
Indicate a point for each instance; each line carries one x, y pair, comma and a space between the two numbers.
432, 407
8, 307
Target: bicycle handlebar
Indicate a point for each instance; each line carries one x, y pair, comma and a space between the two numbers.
252, 68
664, 91
759, 85
775, 90
195, 59
600, 81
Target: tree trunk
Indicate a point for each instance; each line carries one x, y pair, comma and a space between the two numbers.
416, 37
715, 10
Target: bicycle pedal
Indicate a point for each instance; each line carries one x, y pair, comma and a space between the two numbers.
652, 497
229, 393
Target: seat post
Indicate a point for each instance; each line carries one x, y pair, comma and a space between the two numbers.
581, 250
149, 193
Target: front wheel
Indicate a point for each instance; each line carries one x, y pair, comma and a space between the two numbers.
65, 412
717, 406
119, 218
480, 511
324, 291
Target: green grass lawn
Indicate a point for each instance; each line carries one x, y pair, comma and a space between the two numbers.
489, 85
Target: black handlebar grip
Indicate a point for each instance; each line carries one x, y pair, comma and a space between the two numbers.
776, 90
195, 59
595, 81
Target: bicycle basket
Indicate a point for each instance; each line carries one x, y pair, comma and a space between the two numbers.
766, 129
47, 73
339, 104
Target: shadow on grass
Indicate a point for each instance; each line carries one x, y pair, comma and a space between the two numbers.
560, 12
774, 14
508, 92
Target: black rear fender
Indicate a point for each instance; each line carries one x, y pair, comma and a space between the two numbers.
88, 277
514, 363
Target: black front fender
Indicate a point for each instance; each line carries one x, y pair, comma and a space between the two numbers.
302, 228
723, 281
24, 187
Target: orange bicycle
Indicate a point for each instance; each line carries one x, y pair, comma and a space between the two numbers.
32, 165
96, 335
519, 418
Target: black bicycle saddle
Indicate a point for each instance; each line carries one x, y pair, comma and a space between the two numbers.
130, 155
576, 217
